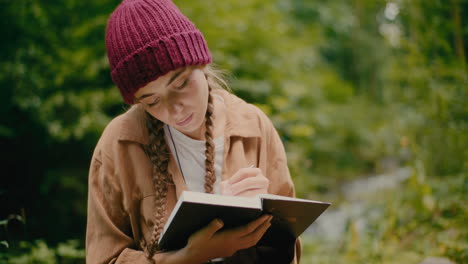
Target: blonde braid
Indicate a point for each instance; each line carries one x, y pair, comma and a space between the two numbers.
210, 176
158, 152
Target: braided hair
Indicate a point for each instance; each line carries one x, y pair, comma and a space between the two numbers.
158, 152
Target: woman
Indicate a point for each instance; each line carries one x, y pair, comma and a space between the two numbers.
183, 132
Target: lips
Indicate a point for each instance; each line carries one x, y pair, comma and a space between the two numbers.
185, 121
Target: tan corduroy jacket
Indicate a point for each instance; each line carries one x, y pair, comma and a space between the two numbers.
120, 198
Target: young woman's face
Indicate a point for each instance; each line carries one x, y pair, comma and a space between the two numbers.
179, 99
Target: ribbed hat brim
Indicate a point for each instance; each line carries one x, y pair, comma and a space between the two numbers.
157, 58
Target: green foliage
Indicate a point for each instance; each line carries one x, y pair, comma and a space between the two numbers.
437, 87
354, 88
38, 252
425, 217
57, 70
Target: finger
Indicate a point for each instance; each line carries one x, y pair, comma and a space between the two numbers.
258, 182
252, 239
252, 192
225, 188
252, 226
209, 230
244, 173
260, 230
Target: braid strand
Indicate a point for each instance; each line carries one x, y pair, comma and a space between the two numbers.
158, 152
210, 176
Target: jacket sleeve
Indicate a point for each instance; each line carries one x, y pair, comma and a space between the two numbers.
277, 170
108, 232
278, 173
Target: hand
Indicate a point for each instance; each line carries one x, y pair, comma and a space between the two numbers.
245, 182
207, 244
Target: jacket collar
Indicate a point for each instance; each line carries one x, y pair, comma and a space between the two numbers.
241, 120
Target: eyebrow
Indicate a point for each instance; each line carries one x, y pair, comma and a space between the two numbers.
173, 77
179, 72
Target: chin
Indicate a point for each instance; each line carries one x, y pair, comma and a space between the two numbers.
195, 126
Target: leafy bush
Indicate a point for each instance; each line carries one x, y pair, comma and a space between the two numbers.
354, 88
38, 252
424, 217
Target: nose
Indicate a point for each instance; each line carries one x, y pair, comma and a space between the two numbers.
175, 105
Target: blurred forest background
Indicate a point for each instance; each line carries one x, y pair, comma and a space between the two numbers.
356, 88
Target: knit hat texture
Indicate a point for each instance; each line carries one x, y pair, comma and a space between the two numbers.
146, 39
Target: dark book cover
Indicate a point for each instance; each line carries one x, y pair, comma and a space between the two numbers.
290, 218
191, 217
193, 211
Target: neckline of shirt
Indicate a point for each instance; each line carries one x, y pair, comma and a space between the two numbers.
181, 138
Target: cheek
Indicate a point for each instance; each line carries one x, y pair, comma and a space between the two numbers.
198, 94
202, 89
203, 98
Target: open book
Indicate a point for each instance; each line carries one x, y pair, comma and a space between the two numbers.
195, 210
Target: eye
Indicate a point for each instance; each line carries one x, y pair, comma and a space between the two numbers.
186, 79
180, 87
151, 100
154, 102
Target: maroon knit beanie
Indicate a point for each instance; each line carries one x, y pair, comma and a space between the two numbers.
146, 39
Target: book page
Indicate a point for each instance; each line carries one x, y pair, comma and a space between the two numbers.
287, 198
216, 199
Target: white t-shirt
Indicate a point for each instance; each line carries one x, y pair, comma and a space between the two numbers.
191, 156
